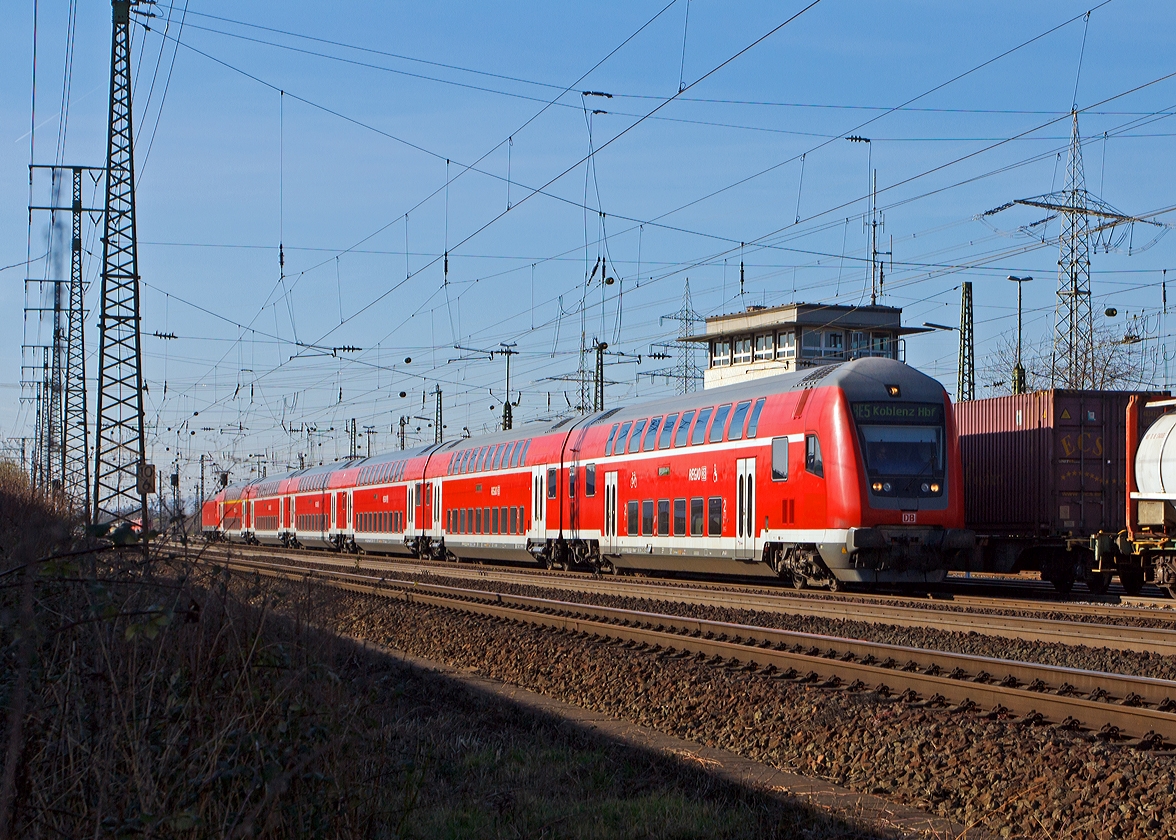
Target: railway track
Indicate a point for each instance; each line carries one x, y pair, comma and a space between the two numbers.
1137, 710
892, 612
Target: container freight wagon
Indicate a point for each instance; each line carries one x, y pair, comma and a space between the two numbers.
1044, 473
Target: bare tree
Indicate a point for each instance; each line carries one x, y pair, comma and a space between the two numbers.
1122, 361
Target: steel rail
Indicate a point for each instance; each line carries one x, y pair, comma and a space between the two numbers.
1026, 628
1117, 706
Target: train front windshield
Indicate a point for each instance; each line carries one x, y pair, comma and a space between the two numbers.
901, 440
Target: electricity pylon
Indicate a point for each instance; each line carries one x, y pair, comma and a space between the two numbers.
122, 478
966, 379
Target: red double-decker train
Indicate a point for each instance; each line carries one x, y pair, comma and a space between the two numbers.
845, 473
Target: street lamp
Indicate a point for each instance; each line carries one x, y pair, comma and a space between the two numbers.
1018, 368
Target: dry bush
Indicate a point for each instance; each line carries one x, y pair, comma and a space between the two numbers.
139, 698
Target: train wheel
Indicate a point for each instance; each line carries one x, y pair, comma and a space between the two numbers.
798, 581
1132, 580
835, 585
1097, 582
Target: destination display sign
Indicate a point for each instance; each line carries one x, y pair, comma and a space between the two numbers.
922, 414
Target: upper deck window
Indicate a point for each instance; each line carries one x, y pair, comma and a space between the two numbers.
667, 432
736, 430
720, 421
683, 429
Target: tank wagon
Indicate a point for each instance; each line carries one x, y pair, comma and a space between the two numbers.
1044, 475
1149, 536
846, 473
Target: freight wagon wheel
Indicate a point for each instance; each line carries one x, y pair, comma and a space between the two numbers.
1132, 580
1097, 582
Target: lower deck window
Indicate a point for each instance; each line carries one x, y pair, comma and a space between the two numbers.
697, 517
663, 517
679, 517
647, 518
633, 519
714, 518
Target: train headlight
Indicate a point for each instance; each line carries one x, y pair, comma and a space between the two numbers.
935, 487
886, 487
877, 486
926, 487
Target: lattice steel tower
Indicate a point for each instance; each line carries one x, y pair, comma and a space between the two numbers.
76, 435
686, 371
1073, 359
119, 459
966, 378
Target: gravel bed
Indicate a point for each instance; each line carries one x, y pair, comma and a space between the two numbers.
1135, 663
1011, 780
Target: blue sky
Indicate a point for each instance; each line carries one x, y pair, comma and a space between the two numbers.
379, 96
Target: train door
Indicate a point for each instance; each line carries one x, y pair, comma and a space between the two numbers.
437, 508
610, 512
413, 492
538, 504
745, 508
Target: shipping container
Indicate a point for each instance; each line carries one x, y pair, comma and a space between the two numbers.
1043, 473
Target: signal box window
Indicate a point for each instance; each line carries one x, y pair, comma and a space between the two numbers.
590, 480
679, 517
697, 517
764, 348
812, 455
633, 519
700, 427
786, 345
780, 459
742, 348
716, 433
714, 516
647, 518
552, 484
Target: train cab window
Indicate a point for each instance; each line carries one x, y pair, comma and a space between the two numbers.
651, 435
699, 434
697, 517
663, 517
683, 432
812, 455
736, 430
667, 432
612, 434
679, 517
753, 423
622, 436
572, 481
714, 516
552, 483
633, 519
647, 518
720, 421
780, 459
635, 438
590, 480
494, 520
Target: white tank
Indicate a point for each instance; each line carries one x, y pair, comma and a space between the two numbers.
1155, 460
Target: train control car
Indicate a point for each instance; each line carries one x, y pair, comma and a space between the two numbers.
1044, 473
845, 473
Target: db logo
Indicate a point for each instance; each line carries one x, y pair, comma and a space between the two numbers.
633, 480
909, 518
